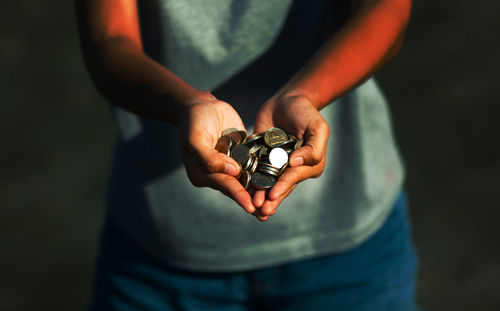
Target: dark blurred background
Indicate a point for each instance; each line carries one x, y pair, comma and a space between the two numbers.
56, 135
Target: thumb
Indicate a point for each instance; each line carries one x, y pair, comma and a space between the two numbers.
316, 139
216, 162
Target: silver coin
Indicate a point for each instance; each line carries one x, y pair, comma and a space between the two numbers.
240, 154
269, 165
275, 136
286, 144
264, 160
262, 181
267, 170
255, 148
249, 163
253, 167
263, 151
278, 157
253, 138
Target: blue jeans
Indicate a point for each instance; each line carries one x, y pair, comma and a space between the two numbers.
380, 274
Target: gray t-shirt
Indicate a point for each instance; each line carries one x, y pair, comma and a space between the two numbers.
244, 50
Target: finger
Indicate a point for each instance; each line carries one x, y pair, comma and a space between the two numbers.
316, 139
232, 188
290, 177
214, 161
259, 197
258, 214
269, 207
262, 123
251, 191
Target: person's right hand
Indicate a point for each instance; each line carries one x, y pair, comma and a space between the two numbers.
201, 125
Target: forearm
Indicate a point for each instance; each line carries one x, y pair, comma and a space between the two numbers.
125, 76
121, 71
368, 41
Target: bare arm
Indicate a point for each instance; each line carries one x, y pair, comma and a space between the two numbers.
113, 52
123, 74
367, 42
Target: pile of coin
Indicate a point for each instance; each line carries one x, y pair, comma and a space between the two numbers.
262, 157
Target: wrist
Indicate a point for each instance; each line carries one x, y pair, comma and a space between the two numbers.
298, 95
196, 97
190, 100
311, 97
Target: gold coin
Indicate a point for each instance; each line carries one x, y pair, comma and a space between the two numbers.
229, 131
254, 138
299, 143
274, 136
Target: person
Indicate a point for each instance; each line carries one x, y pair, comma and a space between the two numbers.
178, 73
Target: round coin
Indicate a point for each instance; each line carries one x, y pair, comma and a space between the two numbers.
253, 138
299, 143
269, 166
229, 131
283, 168
253, 167
235, 137
225, 140
249, 162
263, 151
243, 136
278, 157
255, 148
262, 181
223, 149
241, 155
224, 145
245, 179
269, 171
287, 144
275, 136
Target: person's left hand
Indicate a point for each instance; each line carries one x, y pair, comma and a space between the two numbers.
298, 116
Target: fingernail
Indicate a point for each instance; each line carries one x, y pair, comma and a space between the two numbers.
230, 169
297, 161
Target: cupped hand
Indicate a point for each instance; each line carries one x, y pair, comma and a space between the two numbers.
298, 116
201, 125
